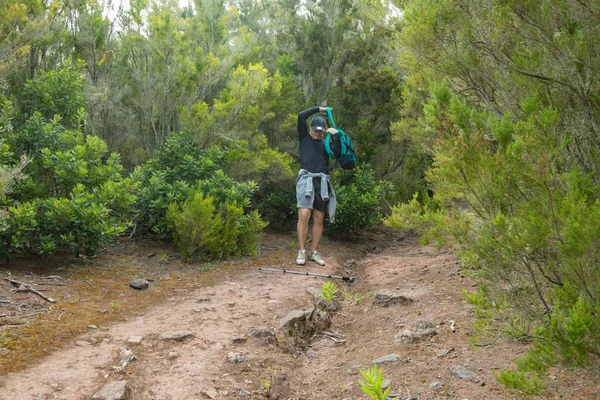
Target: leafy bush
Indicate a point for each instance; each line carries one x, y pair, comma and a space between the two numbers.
68, 195
278, 208
358, 201
186, 192
528, 225
56, 92
201, 229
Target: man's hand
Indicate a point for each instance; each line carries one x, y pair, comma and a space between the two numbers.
333, 131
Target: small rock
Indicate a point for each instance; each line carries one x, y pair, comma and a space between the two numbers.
134, 340
390, 358
238, 340
461, 372
127, 356
117, 390
92, 327
139, 284
261, 332
172, 355
272, 304
292, 318
82, 343
241, 392
386, 298
385, 384
176, 336
353, 370
235, 358
210, 393
435, 386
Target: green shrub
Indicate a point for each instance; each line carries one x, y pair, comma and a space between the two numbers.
530, 385
56, 92
279, 208
528, 226
177, 168
195, 225
201, 229
69, 193
358, 201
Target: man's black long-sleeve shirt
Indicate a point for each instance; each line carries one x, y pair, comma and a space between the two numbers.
313, 156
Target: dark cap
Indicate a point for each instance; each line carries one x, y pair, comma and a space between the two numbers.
318, 123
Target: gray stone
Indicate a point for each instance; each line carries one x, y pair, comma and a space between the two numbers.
315, 292
353, 370
292, 318
462, 372
134, 340
390, 358
210, 393
116, 390
435, 386
386, 384
235, 358
82, 343
139, 284
241, 392
417, 336
388, 298
176, 336
261, 332
172, 355
422, 324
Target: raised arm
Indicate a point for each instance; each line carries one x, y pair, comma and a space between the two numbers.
303, 116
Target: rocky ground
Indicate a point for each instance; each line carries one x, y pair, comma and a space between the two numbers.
229, 330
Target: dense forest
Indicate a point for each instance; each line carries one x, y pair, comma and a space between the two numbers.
477, 124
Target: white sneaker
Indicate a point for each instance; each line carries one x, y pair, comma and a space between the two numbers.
301, 259
316, 257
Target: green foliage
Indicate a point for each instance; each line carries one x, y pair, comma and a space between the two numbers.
524, 220
56, 92
178, 167
69, 194
530, 385
329, 291
278, 208
372, 382
210, 232
358, 201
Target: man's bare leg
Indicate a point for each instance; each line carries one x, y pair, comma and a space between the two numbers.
302, 227
317, 228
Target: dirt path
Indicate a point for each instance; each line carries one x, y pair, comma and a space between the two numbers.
231, 312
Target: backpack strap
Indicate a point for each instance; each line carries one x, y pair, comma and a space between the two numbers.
327, 139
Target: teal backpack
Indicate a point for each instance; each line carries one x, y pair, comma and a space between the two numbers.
347, 158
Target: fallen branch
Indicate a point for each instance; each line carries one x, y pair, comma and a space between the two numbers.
32, 290
89, 283
51, 277
61, 314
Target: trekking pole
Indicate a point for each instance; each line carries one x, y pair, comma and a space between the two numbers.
285, 271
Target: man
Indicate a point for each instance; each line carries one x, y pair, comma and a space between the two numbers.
313, 190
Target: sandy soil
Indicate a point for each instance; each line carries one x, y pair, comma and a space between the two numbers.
69, 350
